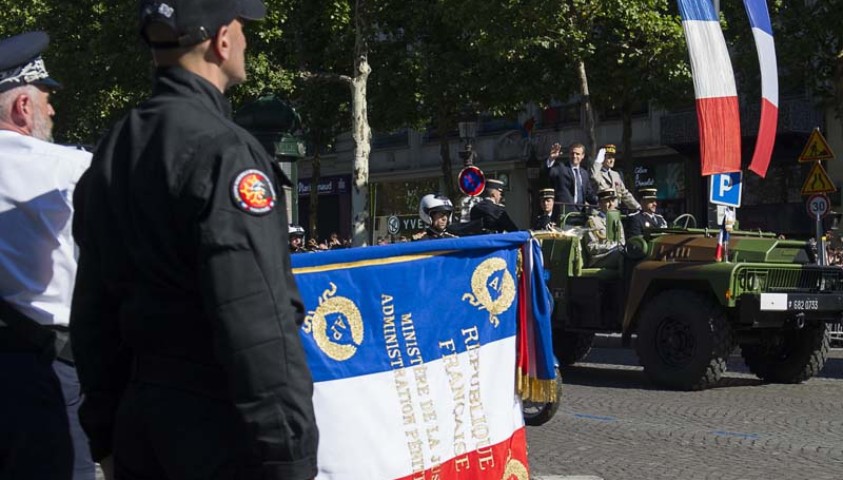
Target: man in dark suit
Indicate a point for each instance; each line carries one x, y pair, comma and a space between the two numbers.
571, 180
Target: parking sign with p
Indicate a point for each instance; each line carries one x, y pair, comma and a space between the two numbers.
726, 189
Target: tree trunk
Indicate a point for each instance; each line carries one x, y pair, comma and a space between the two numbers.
445, 155
589, 113
361, 132
313, 225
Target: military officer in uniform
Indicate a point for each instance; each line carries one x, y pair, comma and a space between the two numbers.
544, 220
604, 176
436, 213
647, 218
603, 250
490, 211
185, 318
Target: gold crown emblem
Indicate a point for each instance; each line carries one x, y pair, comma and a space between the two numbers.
342, 318
491, 276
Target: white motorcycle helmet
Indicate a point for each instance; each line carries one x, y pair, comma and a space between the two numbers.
434, 203
296, 230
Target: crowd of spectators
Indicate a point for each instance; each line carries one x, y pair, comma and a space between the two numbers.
332, 242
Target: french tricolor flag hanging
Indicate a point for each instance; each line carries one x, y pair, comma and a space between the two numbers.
714, 86
759, 19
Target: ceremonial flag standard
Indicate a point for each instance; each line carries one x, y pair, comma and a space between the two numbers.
762, 30
714, 85
412, 348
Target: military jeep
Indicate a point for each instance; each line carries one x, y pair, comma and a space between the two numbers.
688, 312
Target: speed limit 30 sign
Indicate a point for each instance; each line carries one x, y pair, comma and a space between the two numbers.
818, 204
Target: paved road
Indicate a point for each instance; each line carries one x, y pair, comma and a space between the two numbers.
614, 425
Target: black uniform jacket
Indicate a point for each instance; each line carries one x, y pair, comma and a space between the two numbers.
543, 222
172, 266
639, 221
493, 216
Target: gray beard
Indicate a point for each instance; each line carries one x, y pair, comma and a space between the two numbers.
41, 128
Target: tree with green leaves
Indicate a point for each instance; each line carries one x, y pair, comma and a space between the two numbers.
642, 57
343, 23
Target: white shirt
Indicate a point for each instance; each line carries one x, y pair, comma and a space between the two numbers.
37, 257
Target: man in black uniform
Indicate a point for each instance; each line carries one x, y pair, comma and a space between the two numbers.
491, 211
185, 315
647, 218
544, 220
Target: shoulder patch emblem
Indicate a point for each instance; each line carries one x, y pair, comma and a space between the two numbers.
252, 191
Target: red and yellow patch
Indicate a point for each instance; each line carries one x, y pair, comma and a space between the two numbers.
253, 192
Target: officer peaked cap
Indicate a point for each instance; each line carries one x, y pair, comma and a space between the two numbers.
21, 62
547, 193
648, 193
607, 194
494, 184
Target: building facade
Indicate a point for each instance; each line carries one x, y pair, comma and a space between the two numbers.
406, 165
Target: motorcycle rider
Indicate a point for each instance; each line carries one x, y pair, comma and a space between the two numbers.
436, 212
296, 233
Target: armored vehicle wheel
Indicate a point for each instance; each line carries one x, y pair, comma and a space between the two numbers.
536, 414
684, 340
791, 357
571, 347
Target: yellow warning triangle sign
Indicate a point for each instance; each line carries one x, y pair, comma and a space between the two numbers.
816, 148
817, 181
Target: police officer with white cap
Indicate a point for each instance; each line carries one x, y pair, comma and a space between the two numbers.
186, 315
41, 437
491, 211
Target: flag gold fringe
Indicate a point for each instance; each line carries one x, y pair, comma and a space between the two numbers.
535, 389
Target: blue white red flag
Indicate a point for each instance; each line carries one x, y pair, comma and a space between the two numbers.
714, 86
762, 30
412, 348
721, 253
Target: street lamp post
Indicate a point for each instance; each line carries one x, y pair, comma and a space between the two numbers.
533, 174
277, 126
468, 132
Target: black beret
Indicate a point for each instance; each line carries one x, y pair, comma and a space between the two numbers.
21, 63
